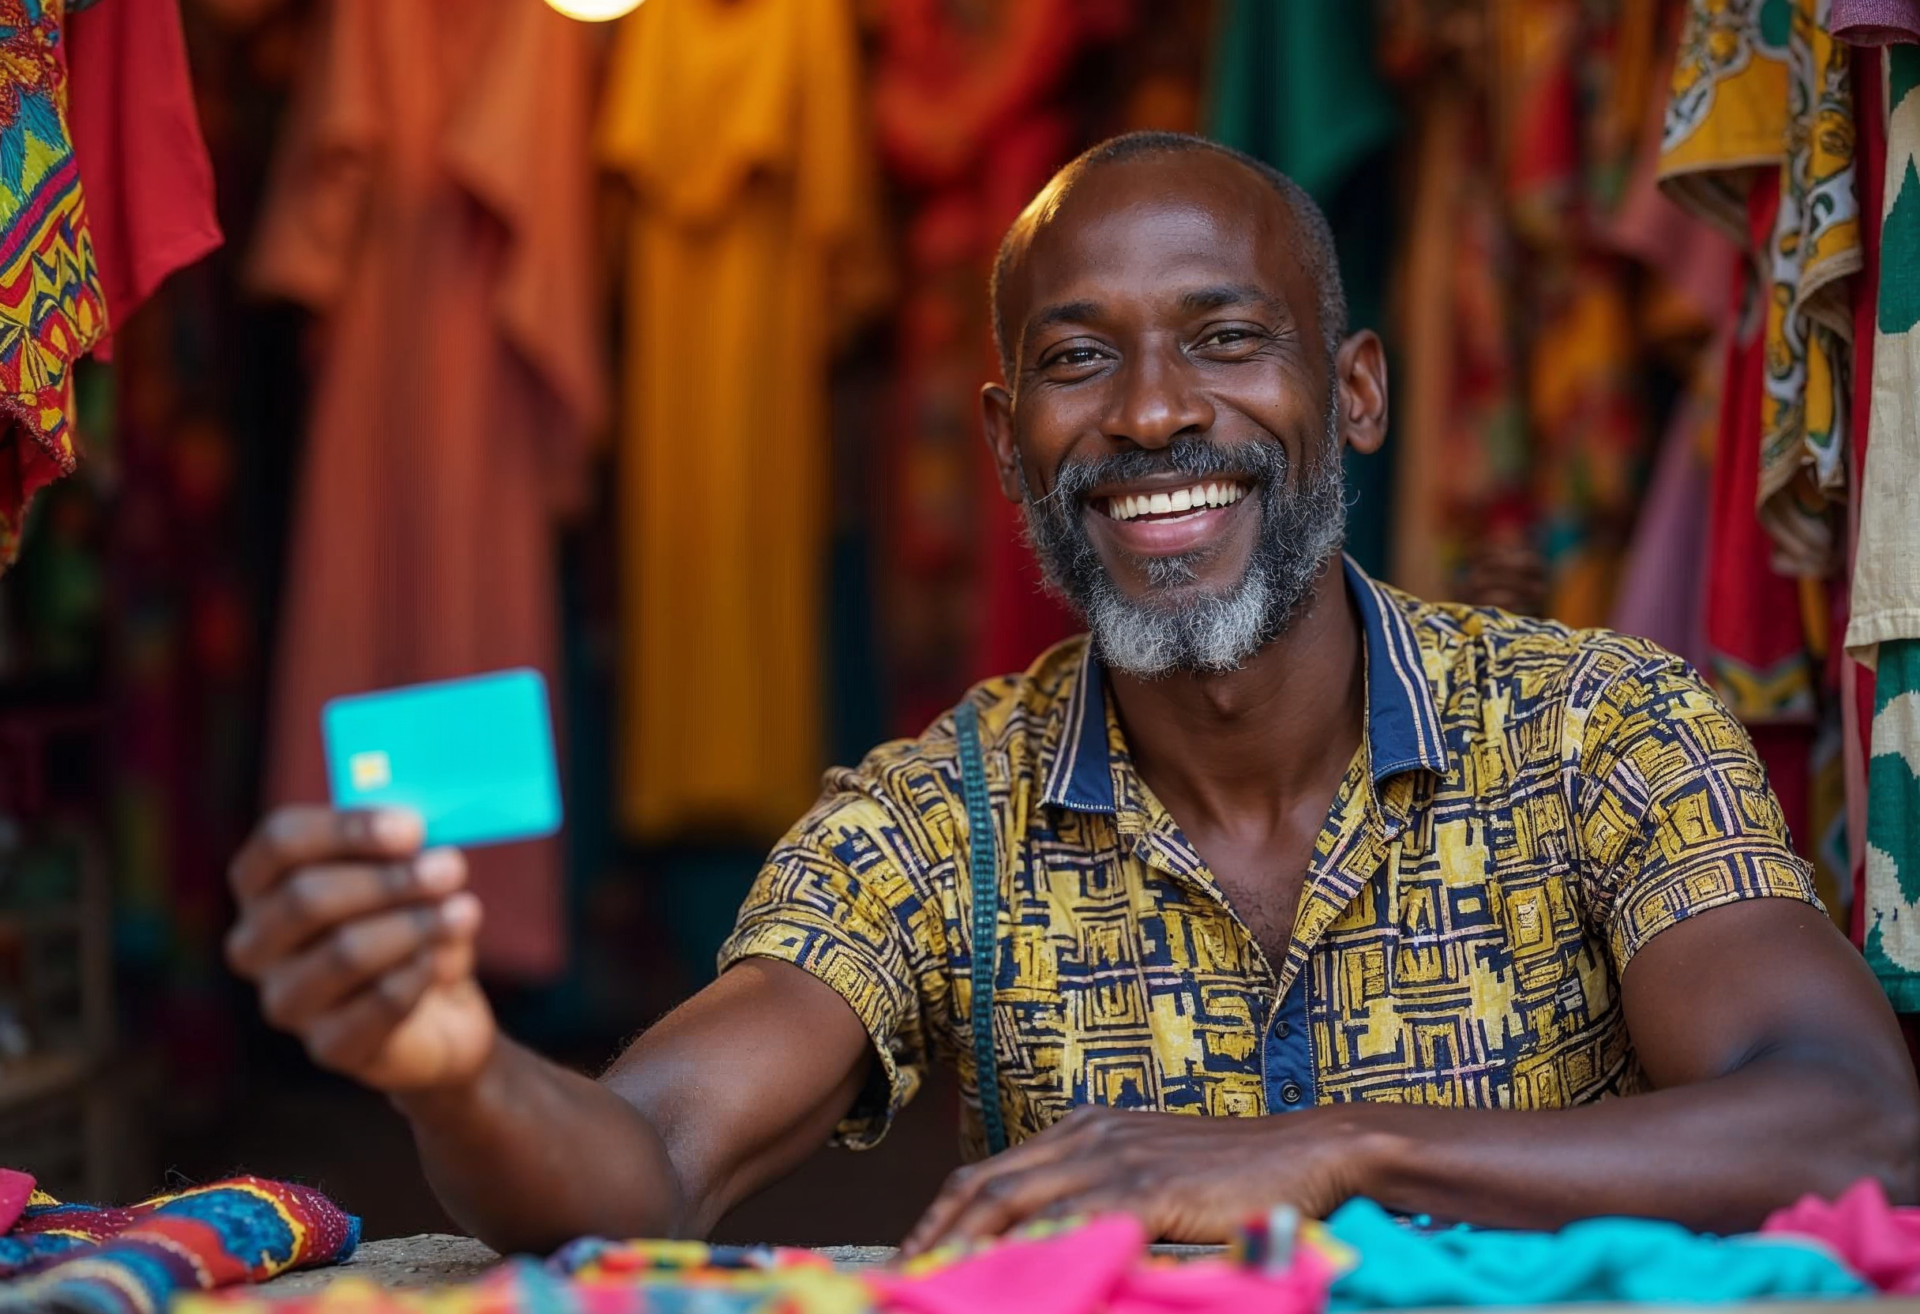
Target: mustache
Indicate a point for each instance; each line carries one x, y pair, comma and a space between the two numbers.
1191, 457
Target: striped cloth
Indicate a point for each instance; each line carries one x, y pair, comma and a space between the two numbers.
593, 1276
84, 1259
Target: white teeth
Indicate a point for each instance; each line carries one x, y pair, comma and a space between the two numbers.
1132, 506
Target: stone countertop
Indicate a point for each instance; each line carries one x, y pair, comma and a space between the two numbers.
433, 1260
425, 1261
413, 1261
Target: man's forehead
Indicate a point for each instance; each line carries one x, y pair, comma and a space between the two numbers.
1161, 224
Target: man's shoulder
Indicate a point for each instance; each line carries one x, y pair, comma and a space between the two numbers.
1490, 667
1016, 714
1515, 645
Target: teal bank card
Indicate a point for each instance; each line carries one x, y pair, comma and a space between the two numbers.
474, 757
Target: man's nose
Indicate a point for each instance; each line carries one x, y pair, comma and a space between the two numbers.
1156, 400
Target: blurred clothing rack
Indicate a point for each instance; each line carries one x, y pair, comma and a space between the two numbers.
59, 1109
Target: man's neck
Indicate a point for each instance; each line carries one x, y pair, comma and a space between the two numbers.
1244, 747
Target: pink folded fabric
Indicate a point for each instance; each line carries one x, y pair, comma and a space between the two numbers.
1072, 1273
16, 1189
1875, 22
1876, 1240
1208, 1286
1102, 1267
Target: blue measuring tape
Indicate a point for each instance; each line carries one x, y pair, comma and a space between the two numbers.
983, 868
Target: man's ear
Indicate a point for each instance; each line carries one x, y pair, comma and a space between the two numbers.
1360, 391
996, 422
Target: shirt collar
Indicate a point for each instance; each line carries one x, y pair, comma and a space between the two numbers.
1403, 723
1081, 777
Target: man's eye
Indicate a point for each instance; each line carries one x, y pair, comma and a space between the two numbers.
1074, 356
1226, 337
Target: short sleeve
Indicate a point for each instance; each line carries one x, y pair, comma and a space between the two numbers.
832, 901
1674, 812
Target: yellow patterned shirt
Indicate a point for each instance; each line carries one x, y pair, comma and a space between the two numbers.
1529, 806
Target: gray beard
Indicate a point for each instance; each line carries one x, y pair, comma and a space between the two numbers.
1179, 628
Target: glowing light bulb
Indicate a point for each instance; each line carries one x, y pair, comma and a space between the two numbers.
595, 11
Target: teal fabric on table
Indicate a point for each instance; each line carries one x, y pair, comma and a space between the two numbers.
1601, 1259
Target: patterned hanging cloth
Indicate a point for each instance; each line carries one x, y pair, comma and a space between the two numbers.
52, 309
1884, 632
1520, 428
1761, 88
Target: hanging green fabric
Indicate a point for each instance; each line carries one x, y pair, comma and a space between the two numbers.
1893, 826
1297, 86
1886, 582
1295, 83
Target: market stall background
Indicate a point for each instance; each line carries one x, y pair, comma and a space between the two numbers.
646, 354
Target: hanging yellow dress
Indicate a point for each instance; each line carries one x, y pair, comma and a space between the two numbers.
753, 234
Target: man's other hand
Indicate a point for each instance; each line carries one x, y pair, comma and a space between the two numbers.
1185, 1178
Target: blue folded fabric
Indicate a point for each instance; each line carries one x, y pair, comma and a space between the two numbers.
1614, 1259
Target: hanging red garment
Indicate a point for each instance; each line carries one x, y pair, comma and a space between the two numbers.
1856, 680
432, 205
136, 134
1756, 634
1755, 628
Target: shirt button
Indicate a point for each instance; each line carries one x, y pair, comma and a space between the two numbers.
1290, 1093
1281, 1030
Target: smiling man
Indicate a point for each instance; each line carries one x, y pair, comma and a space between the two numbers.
1282, 886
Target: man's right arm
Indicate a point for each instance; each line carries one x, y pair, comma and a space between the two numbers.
363, 948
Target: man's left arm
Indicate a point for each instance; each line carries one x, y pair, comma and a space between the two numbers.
1776, 1065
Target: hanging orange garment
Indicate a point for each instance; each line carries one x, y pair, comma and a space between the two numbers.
1462, 468
432, 205
1425, 479
754, 235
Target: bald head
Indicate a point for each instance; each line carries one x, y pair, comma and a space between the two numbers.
1312, 238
